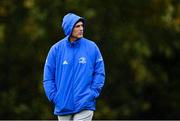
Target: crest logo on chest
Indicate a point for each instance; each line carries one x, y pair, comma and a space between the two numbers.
82, 60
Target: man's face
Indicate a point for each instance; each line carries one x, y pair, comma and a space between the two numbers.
78, 30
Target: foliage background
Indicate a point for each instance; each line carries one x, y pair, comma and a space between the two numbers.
139, 40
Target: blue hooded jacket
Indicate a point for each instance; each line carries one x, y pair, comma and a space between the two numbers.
74, 72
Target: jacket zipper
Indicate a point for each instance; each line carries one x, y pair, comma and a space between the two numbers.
73, 74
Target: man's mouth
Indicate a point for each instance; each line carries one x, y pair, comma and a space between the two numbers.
80, 33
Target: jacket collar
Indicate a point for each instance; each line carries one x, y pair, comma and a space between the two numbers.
75, 43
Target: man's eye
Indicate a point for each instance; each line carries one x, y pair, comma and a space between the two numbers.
78, 26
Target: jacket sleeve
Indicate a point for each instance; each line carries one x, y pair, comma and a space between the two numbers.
49, 75
99, 73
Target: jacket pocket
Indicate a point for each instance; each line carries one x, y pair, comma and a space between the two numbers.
90, 97
64, 102
54, 99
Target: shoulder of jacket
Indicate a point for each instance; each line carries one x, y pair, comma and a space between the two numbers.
90, 42
58, 44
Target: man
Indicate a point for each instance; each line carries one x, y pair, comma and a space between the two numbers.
74, 72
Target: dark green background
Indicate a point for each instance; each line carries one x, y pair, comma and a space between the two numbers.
139, 40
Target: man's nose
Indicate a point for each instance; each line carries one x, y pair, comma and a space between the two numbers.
81, 28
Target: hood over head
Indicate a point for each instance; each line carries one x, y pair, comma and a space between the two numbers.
69, 22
